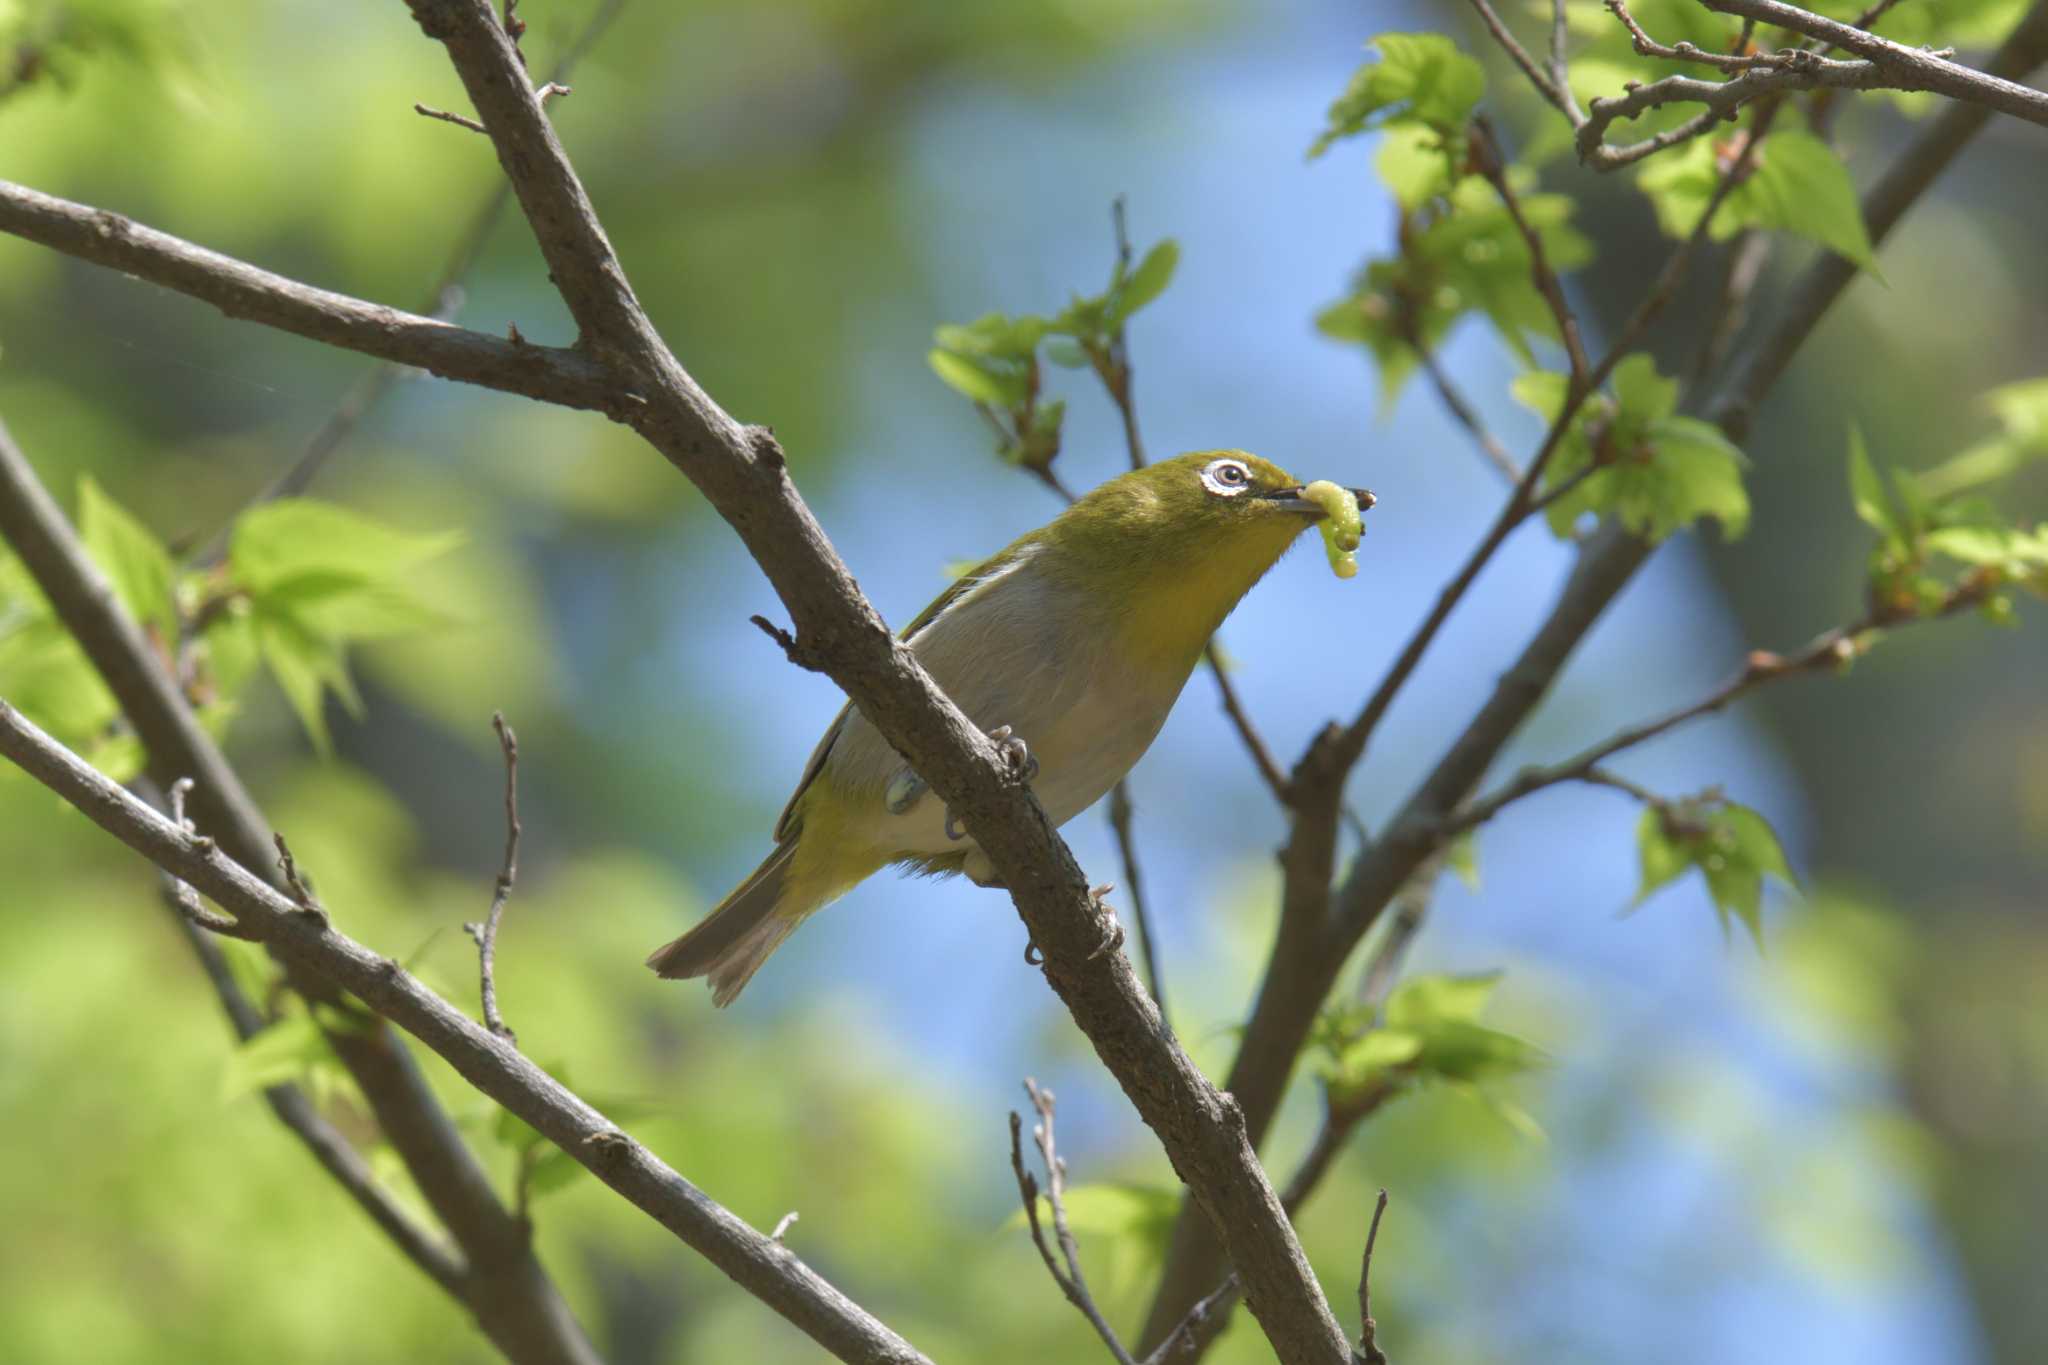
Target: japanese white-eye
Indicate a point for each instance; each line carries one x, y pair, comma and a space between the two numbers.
1077, 636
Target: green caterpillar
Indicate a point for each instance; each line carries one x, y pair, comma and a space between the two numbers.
1341, 525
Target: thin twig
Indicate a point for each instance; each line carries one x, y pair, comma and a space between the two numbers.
1368, 1346
1489, 162
1827, 651
1560, 73
1254, 744
1559, 97
1071, 1281
1120, 823
486, 933
288, 868
459, 120
180, 894
1461, 408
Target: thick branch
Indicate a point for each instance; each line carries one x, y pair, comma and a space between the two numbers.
240, 290
1914, 68
489, 1063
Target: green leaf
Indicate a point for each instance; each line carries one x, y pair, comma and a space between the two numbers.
1469, 257
1422, 77
1796, 184
1866, 490
133, 560
1800, 185
305, 665
1733, 847
1663, 858
1145, 283
983, 381
1416, 164
1067, 354
293, 537
1642, 394
1462, 858
1425, 1001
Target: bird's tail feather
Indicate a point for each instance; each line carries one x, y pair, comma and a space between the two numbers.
730, 944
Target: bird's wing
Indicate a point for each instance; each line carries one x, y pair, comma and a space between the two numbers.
785, 824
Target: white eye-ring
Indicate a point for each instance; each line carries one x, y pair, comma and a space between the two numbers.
1227, 478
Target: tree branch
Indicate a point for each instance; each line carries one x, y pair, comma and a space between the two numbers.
1832, 649
486, 933
240, 290
510, 1294
290, 1104
742, 472
1071, 1281
1315, 944
489, 1063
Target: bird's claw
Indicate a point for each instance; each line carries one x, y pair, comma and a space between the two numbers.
1113, 935
1015, 752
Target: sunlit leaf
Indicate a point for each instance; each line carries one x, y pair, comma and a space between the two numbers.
132, 558
1146, 283
1419, 76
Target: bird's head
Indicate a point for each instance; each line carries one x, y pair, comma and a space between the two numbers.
1187, 537
1209, 503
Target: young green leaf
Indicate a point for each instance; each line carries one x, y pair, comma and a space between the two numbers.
133, 560
1421, 77
1796, 184
1866, 489
1144, 284
981, 379
1733, 847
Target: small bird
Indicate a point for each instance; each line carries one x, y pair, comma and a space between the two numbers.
1076, 639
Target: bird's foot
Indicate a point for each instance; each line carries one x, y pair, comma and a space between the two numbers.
1015, 752
1113, 928
905, 790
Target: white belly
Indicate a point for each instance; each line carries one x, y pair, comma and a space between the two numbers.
1086, 714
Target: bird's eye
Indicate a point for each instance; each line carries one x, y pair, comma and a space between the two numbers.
1226, 478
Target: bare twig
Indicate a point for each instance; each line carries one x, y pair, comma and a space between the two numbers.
287, 868
489, 1063
1912, 68
1148, 947
1488, 161
1071, 1281
459, 120
1792, 59
1828, 651
1886, 65
1560, 74
1369, 1351
1559, 96
180, 895
783, 1225
1254, 744
486, 933
1462, 410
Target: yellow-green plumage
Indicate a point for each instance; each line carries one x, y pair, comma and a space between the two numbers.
1079, 636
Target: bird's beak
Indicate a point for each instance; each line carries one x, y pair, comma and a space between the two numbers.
1291, 500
